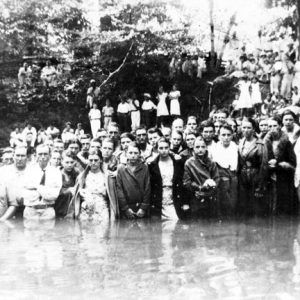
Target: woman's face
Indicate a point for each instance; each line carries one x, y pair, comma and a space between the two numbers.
273, 126
247, 129
190, 140
191, 124
125, 142
288, 122
163, 149
233, 125
263, 126
94, 162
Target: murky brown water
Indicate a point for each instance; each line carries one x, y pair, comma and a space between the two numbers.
254, 259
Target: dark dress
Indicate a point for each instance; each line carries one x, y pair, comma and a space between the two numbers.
281, 190
63, 201
252, 180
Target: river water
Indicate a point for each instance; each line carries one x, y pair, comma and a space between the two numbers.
253, 259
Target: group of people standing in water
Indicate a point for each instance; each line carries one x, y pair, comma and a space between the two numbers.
221, 167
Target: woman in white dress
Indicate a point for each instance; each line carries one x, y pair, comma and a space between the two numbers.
174, 98
95, 119
244, 102
91, 200
162, 112
256, 94
296, 80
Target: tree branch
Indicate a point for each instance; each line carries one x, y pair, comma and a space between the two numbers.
118, 69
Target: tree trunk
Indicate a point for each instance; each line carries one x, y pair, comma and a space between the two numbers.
212, 36
226, 40
298, 27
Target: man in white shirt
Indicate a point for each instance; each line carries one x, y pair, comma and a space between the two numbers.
12, 184
42, 187
29, 135
123, 115
52, 132
225, 155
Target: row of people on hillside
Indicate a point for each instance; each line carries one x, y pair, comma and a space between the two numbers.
131, 113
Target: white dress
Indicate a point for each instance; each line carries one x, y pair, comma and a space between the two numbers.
174, 106
94, 207
162, 109
95, 120
245, 98
255, 94
296, 79
167, 171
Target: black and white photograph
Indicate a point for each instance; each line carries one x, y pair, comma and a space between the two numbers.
150, 149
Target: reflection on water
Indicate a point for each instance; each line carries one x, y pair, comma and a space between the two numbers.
254, 259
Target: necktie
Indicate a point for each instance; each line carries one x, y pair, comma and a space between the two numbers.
43, 179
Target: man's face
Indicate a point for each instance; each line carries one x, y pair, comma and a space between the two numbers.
59, 147
225, 137
163, 149
43, 156
166, 133
85, 145
141, 136
208, 134
102, 135
153, 138
176, 140
8, 158
200, 148
68, 163
95, 146
178, 125
74, 148
288, 122
132, 154
113, 132
20, 158
55, 159
221, 117
107, 150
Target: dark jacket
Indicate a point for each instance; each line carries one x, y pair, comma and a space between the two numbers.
157, 188
284, 182
253, 166
197, 171
133, 189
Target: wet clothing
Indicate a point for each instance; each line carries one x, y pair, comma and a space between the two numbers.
252, 172
196, 172
65, 196
167, 188
281, 180
133, 187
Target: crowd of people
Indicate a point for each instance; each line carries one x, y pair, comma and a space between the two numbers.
223, 167
142, 159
